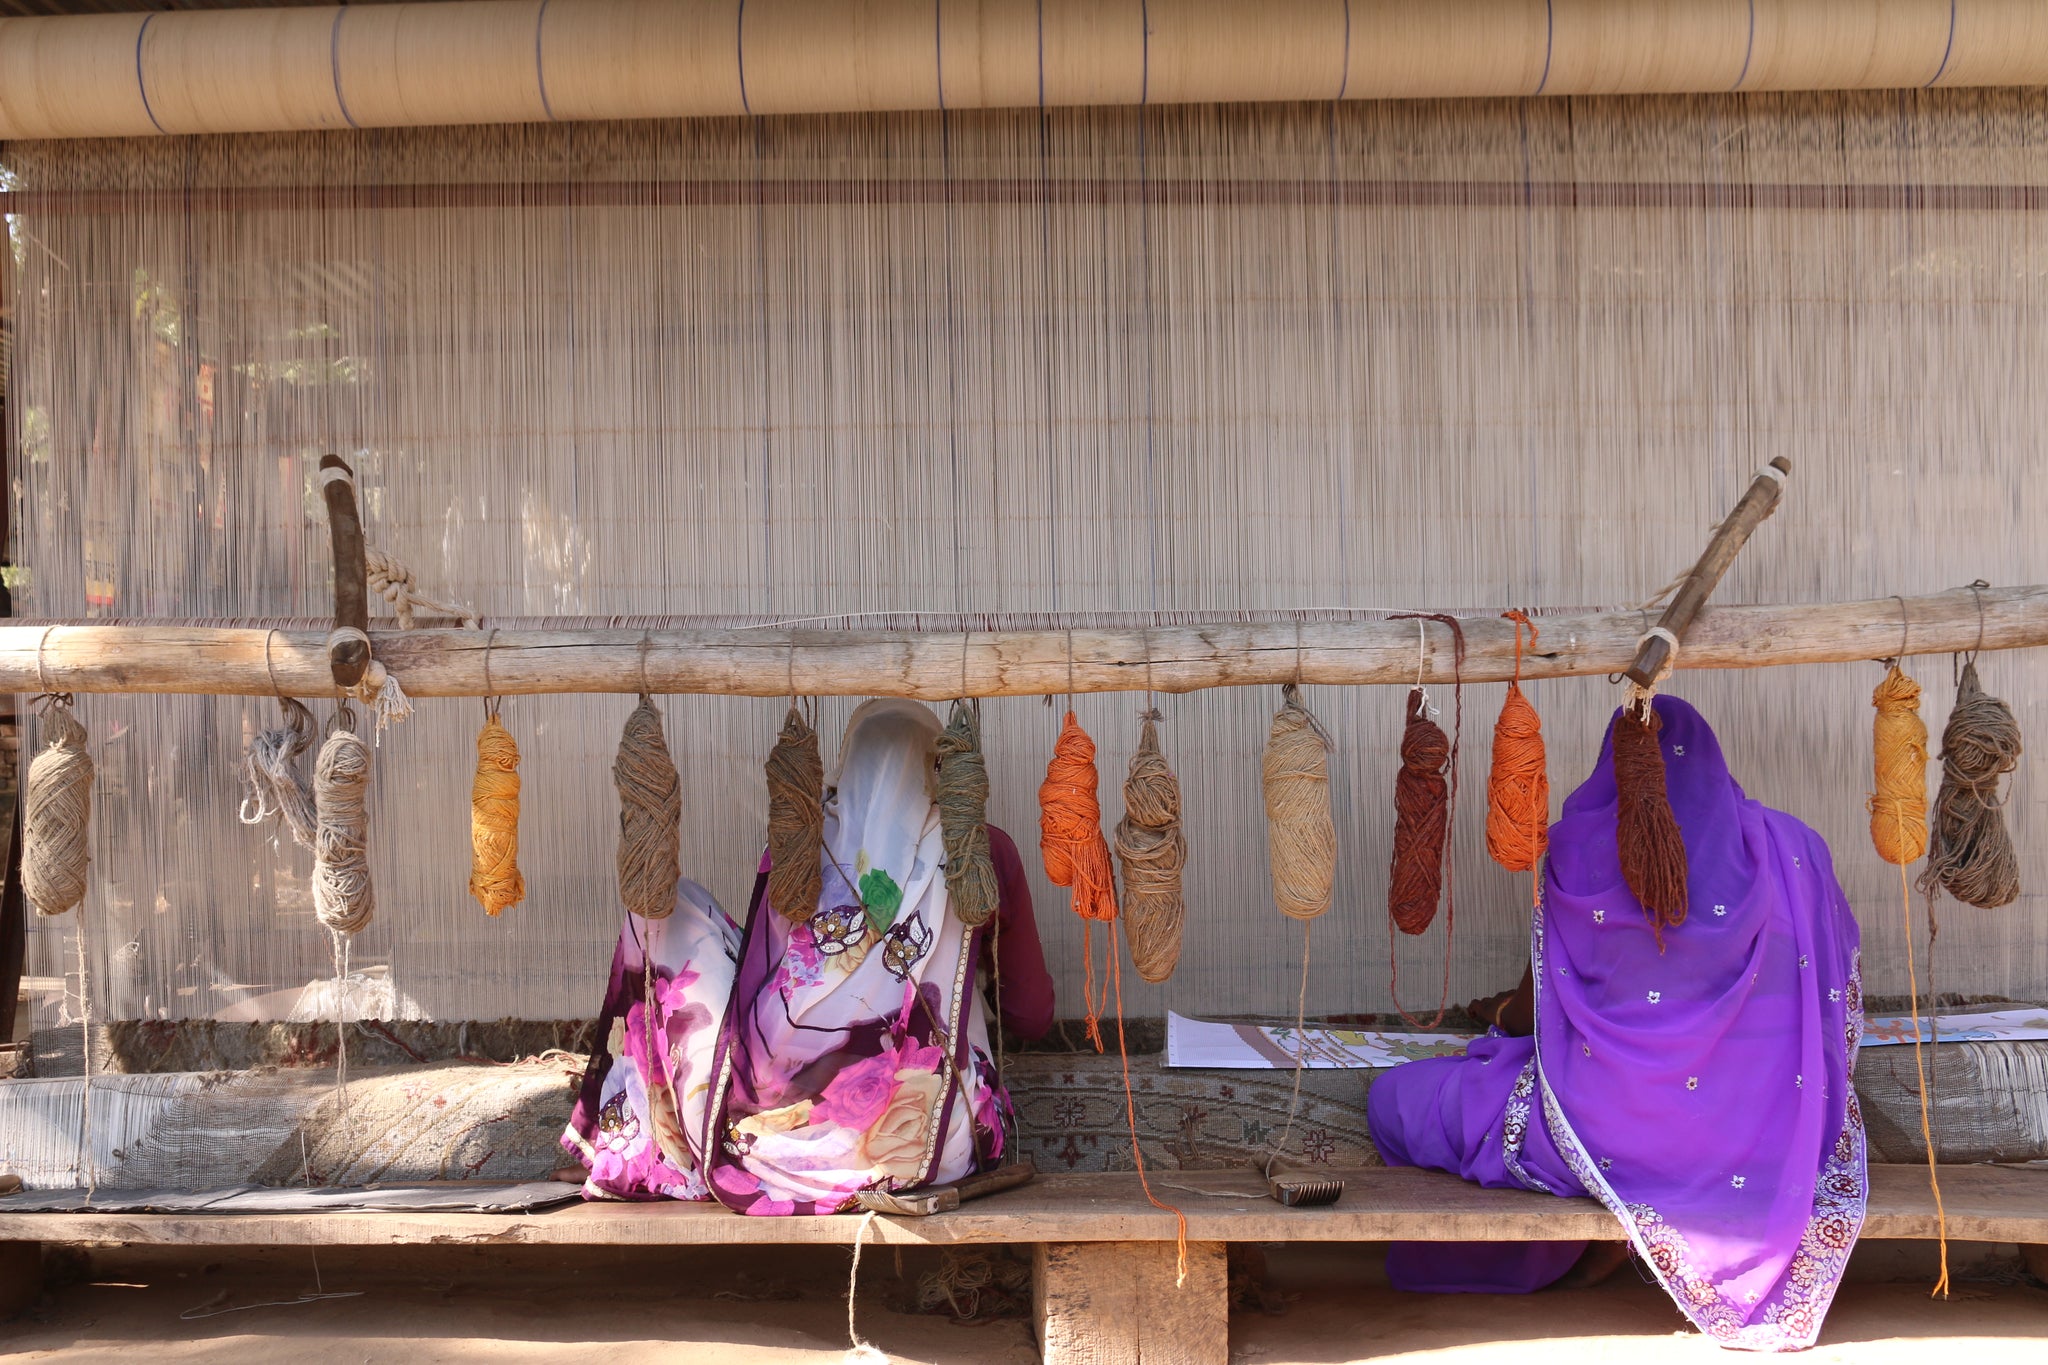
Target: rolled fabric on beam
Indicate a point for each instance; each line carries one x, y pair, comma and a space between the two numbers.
935, 664
518, 61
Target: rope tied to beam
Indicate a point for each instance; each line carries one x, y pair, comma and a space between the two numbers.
650, 815
57, 812
962, 797
1153, 851
274, 778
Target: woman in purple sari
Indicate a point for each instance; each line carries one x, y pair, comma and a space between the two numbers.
782, 1068
1699, 1089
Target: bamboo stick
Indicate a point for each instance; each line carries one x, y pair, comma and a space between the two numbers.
933, 665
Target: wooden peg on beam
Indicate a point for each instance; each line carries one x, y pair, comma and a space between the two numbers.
348, 645
1757, 503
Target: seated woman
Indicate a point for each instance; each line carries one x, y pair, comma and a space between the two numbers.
1700, 1088
780, 1068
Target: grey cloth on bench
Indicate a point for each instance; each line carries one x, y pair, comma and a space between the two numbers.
445, 1197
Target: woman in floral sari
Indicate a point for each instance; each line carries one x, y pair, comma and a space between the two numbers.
781, 1068
1699, 1087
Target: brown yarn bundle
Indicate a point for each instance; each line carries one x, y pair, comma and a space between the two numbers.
494, 876
1898, 808
1076, 855
56, 813
963, 819
1518, 790
1301, 836
796, 819
1651, 845
1421, 820
1153, 851
1971, 855
650, 815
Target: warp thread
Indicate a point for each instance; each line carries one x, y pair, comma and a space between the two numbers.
1152, 851
1971, 854
650, 815
1421, 819
962, 798
1898, 808
1647, 836
1518, 789
1301, 835
343, 899
1898, 829
796, 819
494, 877
1075, 852
275, 784
56, 813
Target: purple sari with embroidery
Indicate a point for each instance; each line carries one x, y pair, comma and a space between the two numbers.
1702, 1092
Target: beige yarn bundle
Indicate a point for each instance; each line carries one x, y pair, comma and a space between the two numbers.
1153, 852
56, 813
1301, 836
343, 898
650, 815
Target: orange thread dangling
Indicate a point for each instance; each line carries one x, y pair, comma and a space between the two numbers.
1518, 790
1076, 853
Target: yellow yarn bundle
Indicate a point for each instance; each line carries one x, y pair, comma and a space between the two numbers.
494, 877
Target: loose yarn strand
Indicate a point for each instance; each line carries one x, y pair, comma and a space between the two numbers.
962, 797
1180, 1236
1301, 835
343, 899
1075, 852
1898, 830
274, 782
796, 819
1153, 852
57, 812
650, 815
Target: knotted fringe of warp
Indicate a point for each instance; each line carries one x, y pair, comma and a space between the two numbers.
56, 813
494, 876
1898, 829
1971, 855
1301, 836
796, 819
273, 780
650, 815
1518, 789
343, 899
1076, 855
1153, 852
963, 819
1425, 806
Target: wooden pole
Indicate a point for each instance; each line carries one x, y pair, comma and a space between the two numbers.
348, 652
1757, 504
933, 666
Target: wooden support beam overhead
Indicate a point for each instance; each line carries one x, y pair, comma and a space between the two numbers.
236, 660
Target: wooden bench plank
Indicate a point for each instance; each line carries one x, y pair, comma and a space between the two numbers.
1985, 1203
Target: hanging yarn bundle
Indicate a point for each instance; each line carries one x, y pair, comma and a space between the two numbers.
963, 819
1301, 836
1518, 790
1076, 855
1153, 851
796, 819
494, 877
56, 811
1898, 808
1651, 845
650, 815
1421, 819
1971, 855
342, 896
274, 783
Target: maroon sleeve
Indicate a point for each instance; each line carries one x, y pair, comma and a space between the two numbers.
1026, 993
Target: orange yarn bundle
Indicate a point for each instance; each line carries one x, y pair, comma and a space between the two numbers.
1518, 790
1076, 853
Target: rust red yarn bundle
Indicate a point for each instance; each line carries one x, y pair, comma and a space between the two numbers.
1646, 832
1422, 815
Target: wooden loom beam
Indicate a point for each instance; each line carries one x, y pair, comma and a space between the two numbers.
932, 665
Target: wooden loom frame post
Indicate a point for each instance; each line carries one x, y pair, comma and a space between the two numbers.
1756, 505
348, 657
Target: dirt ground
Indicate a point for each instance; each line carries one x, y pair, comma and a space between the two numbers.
751, 1306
